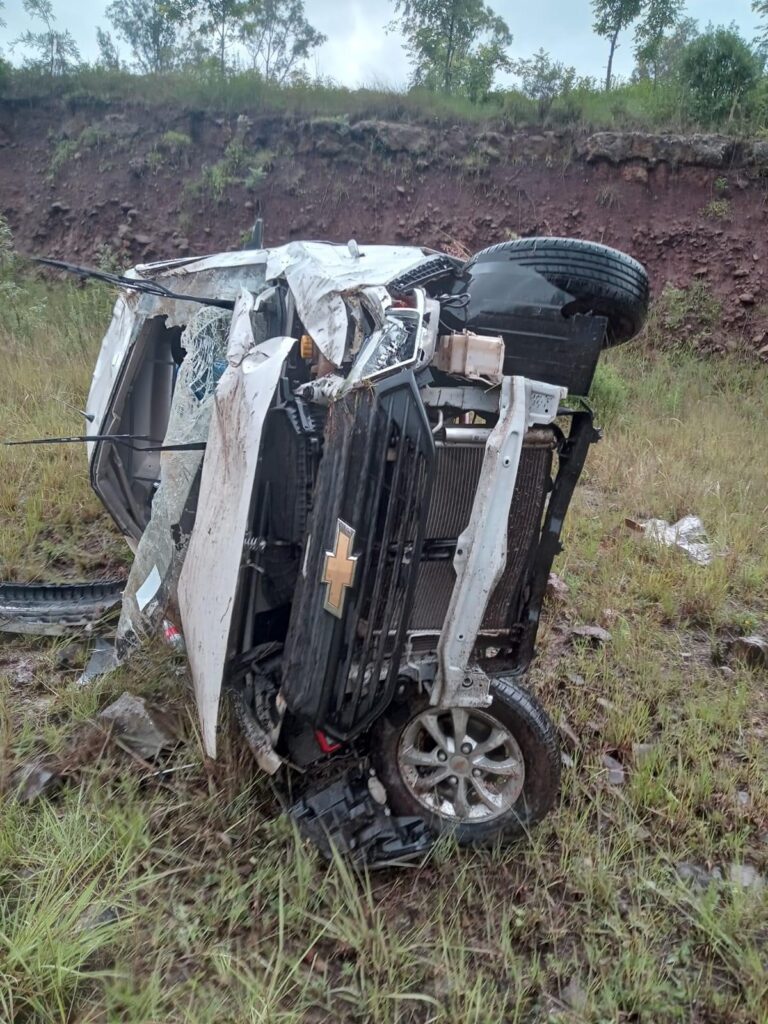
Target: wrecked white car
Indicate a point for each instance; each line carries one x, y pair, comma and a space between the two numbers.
344, 472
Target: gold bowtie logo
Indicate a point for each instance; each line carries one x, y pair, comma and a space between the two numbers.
339, 569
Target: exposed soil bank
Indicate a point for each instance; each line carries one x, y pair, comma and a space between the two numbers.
144, 183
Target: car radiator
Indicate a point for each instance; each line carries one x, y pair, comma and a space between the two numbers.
457, 472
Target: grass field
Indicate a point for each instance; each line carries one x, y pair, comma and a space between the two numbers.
129, 896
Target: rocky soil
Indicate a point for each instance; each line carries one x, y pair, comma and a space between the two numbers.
133, 183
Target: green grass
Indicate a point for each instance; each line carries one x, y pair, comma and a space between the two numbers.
218, 912
642, 105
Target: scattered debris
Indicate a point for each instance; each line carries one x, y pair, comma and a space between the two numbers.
616, 775
687, 533
102, 660
596, 635
746, 876
141, 729
34, 779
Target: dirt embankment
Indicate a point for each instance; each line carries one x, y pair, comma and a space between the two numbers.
137, 183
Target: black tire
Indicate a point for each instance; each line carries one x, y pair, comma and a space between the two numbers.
603, 281
536, 737
50, 609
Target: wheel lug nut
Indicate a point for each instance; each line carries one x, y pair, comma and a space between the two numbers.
476, 773
453, 780
466, 748
442, 756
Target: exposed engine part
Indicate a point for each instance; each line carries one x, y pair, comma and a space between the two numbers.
344, 816
471, 355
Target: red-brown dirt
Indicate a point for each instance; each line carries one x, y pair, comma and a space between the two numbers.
92, 182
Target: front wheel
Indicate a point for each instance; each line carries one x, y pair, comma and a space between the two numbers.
476, 773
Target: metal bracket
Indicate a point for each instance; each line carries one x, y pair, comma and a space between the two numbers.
481, 550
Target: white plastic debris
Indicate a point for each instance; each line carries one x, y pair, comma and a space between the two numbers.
687, 533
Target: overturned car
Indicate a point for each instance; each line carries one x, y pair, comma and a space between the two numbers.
344, 472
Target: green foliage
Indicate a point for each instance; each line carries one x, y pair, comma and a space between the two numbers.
238, 167
278, 38
544, 80
7, 250
53, 52
719, 70
152, 29
221, 21
663, 64
609, 394
63, 153
651, 17
760, 7
718, 209
5, 76
109, 57
455, 47
684, 317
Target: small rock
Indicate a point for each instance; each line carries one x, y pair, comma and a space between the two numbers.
574, 996
642, 752
576, 679
595, 634
606, 704
741, 273
742, 798
746, 876
751, 649
33, 780
59, 207
616, 775
698, 876
400, 190
557, 588
142, 239
69, 656
747, 299
93, 917
22, 672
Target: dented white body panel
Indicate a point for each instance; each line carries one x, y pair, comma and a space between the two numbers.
213, 562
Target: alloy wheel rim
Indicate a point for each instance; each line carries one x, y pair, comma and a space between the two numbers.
462, 764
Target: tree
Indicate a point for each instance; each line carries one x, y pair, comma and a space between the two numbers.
454, 45
108, 57
222, 20
660, 16
612, 17
665, 62
761, 7
152, 29
55, 53
542, 79
278, 37
719, 70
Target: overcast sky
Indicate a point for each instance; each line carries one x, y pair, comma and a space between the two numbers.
359, 50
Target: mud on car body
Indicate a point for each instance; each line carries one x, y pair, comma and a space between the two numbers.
355, 489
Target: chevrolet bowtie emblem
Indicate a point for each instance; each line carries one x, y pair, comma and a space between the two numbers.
339, 569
